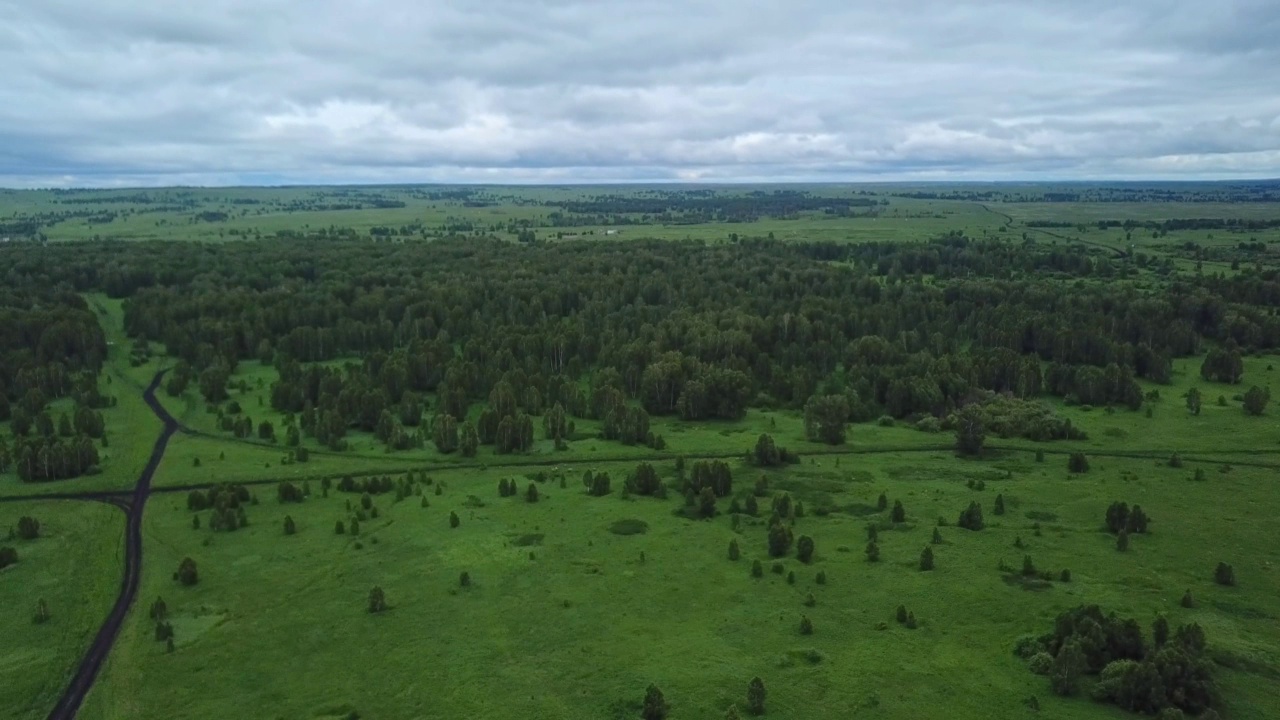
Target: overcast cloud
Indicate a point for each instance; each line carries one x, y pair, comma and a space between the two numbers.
142, 92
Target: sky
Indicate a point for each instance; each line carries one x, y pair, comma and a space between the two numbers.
227, 92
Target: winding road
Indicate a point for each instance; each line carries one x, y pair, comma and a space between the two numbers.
133, 502
73, 696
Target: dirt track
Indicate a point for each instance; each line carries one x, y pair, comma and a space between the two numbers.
87, 672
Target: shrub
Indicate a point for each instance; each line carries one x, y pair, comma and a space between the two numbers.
289, 527
1078, 463
339, 528
464, 580
882, 502
901, 615
791, 577
899, 513
8, 556
804, 549
911, 621
971, 517
1065, 576
454, 521
810, 600
1224, 574
779, 539
757, 569
756, 696
187, 574
531, 493
28, 528
926, 558
1187, 600
873, 552
806, 625
1041, 663
937, 537
655, 705
821, 577
1175, 460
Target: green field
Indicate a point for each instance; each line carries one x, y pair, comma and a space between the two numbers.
904, 301
75, 567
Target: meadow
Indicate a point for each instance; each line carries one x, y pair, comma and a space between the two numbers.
574, 604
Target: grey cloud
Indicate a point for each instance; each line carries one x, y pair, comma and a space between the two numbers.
141, 91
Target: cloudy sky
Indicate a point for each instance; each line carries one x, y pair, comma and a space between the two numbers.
143, 92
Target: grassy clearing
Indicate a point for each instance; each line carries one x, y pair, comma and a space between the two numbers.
75, 566
602, 623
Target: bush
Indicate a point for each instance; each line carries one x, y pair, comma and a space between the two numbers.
1078, 463
454, 520
655, 705
8, 556
531, 494
873, 552
755, 696
806, 625
28, 528
187, 574
1224, 574
937, 537
339, 528
926, 558
1065, 576
899, 513
1187, 600
804, 549
757, 569
464, 580
901, 614
1040, 663
911, 621
734, 552
821, 577
780, 538
971, 517
289, 527
377, 600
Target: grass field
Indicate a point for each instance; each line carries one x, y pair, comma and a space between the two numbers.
577, 603
564, 618
75, 566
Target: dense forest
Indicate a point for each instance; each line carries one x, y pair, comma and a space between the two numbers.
614, 332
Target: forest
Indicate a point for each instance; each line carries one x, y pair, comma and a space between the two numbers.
734, 462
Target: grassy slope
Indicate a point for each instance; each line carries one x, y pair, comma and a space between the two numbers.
282, 619
75, 566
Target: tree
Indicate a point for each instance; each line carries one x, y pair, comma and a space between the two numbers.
655, 705
873, 552
970, 430
999, 509
926, 558
806, 625
732, 713
464, 580
377, 600
804, 549
339, 528
469, 440
766, 452
1193, 401
1068, 666
757, 569
1224, 574
454, 521
882, 503
937, 537
899, 513
971, 517
645, 480
1255, 400
780, 539
901, 614
213, 383
1122, 541
734, 552
707, 503
755, 696
289, 527
1159, 632
1223, 365
1187, 600
28, 528
187, 574
1078, 463
444, 431
531, 493
825, 417
42, 612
